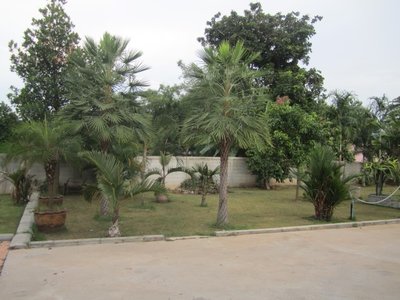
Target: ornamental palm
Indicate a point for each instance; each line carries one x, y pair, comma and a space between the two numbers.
227, 115
47, 143
113, 184
202, 174
103, 84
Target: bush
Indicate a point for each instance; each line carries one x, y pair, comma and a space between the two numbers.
323, 182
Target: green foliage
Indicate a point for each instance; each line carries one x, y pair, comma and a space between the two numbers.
283, 42
114, 184
164, 171
8, 120
103, 88
293, 133
42, 62
168, 112
46, 142
344, 115
227, 108
380, 170
323, 182
22, 185
202, 178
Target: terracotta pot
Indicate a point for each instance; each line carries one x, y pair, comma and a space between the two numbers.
50, 220
51, 200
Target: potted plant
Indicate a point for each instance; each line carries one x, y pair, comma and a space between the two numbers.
380, 170
46, 143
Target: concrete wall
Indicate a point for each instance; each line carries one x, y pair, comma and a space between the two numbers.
238, 173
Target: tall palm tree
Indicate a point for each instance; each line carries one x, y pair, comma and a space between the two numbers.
226, 116
103, 84
113, 184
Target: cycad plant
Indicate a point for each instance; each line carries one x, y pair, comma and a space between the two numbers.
115, 183
324, 183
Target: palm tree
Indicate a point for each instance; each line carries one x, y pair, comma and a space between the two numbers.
47, 143
113, 184
202, 174
227, 116
323, 182
103, 85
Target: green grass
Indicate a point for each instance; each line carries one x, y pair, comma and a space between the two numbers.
248, 208
10, 214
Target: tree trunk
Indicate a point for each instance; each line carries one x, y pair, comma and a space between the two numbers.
222, 215
50, 171
297, 189
114, 231
104, 206
203, 198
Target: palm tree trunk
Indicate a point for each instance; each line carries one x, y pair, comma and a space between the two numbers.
104, 206
114, 231
203, 198
50, 171
222, 215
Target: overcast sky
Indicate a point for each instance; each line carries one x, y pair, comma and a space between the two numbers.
356, 47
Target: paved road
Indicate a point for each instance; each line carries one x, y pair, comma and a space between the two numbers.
357, 263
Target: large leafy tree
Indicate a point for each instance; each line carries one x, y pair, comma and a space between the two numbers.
283, 42
226, 110
103, 87
42, 62
293, 133
8, 120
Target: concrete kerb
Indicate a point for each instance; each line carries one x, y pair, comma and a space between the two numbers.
23, 235
6, 237
305, 228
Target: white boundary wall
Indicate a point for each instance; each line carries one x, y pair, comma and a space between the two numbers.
238, 173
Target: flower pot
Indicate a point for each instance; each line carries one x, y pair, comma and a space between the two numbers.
51, 201
50, 220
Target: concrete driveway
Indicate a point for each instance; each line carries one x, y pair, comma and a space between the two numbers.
356, 263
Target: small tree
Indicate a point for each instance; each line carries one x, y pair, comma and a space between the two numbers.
164, 171
381, 170
323, 182
202, 174
113, 184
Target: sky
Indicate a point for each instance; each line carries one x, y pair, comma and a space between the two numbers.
356, 46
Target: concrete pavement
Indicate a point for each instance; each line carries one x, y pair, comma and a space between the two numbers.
352, 263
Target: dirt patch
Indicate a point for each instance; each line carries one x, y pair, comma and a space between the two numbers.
3, 253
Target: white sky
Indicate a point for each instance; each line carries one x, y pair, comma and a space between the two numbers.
356, 47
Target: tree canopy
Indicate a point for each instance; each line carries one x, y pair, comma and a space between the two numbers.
42, 62
283, 42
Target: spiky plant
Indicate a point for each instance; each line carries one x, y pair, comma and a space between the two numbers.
324, 183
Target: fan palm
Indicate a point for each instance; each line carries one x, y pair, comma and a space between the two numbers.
102, 85
226, 116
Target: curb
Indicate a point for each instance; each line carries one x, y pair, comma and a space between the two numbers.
6, 237
24, 231
305, 228
96, 241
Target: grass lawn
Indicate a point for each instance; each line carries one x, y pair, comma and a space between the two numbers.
10, 214
248, 208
